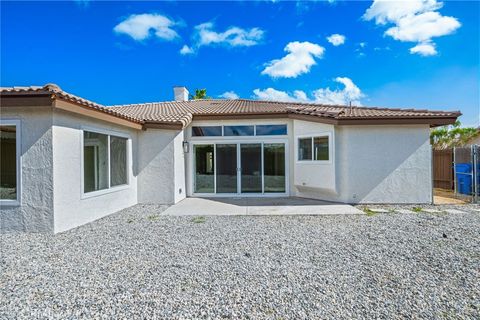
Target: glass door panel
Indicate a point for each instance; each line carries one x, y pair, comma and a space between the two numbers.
274, 167
226, 159
204, 168
251, 162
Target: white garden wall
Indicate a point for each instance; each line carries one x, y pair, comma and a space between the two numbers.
35, 212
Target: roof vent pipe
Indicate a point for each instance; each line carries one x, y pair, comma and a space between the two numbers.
180, 93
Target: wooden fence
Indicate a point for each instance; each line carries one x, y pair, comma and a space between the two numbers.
443, 169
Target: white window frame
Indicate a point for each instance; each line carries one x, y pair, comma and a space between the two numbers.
18, 157
313, 136
110, 189
238, 142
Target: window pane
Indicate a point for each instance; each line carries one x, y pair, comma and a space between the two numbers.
95, 161
271, 130
274, 167
305, 149
204, 168
226, 157
118, 161
8, 162
238, 130
320, 147
206, 131
251, 164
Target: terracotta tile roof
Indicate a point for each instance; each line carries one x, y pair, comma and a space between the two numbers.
346, 112
54, 90
182, 113
214, 107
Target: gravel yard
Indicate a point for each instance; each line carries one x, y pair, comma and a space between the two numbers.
138, 263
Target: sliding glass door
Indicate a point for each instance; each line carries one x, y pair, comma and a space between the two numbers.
239, 168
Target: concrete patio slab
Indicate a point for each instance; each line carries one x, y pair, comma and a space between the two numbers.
257, 206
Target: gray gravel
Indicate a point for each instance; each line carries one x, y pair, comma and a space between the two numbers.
140, 264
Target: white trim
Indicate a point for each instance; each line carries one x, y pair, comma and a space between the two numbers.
109, 189
313, 136
18, 160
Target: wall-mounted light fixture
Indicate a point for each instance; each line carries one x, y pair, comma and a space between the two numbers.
186, 147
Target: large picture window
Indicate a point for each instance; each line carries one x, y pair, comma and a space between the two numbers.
104, 161
314, 148
9, 161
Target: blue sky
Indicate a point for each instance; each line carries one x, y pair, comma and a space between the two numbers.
422, 54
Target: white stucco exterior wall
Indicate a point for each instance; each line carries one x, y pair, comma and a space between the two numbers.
160, 162
179, 167
380, 164
71, 206
35, 212
316, 176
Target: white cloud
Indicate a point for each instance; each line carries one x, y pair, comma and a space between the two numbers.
423, 27
231, 95
299, 60
386, 11
276, 95
205, 35
336, 39
349, 93
413, 21
186, 50
140, 27
424, 49
233, 36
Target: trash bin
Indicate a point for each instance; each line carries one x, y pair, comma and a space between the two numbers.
464, 178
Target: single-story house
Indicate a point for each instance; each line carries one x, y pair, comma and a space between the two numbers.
66, 161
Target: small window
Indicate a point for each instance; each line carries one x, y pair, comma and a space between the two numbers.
238, 130
9, 164
271, 130
314, 148
101, 169
305, 149
207, 131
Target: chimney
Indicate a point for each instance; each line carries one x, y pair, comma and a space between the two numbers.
181, 93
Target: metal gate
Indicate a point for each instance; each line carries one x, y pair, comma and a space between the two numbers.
466, 171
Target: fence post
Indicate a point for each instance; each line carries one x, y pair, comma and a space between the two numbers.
474, 172
432, 175
454, 173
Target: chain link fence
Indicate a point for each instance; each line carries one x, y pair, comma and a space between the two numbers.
466, 171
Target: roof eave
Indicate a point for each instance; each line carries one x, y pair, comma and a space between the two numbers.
44, 99
163, 125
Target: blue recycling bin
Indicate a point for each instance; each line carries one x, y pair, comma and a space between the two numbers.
464, 178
